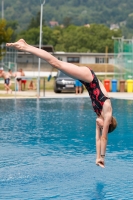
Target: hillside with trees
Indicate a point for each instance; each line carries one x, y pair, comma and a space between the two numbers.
5, 36
71, 34
77, 12
94, 38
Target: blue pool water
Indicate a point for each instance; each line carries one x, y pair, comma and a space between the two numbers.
47, 151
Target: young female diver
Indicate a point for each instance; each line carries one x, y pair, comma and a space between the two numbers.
101, 103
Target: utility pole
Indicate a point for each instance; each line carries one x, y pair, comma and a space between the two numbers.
40, 44
2, 9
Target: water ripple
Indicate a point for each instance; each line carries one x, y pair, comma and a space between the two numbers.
47, 151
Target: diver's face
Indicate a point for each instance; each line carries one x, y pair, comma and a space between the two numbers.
99, 122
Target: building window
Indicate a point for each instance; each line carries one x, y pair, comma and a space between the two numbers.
73, 59
101, 60
59, 58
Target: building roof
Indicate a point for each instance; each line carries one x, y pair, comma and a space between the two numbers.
48, 48
53, 23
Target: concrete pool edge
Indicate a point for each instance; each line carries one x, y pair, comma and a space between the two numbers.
51, 94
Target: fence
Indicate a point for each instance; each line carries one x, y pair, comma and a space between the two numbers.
123, 54
8, 58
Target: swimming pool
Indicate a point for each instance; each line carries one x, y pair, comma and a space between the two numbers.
47, 151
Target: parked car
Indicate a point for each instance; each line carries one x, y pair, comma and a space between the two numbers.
64, 83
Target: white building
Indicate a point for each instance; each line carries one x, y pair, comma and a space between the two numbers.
30, 62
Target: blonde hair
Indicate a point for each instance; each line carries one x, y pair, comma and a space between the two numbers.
113, 125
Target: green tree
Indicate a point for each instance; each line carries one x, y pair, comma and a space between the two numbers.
31, 36
67, 21
130, 22
73, 38
35, 22
5, 32
5, 36
86, 39
13, 25
81, 11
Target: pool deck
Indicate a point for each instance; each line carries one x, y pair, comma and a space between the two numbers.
117, 95
51, 94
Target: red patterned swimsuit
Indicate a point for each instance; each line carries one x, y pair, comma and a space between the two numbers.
96, 94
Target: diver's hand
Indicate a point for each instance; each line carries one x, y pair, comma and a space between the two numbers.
100, 162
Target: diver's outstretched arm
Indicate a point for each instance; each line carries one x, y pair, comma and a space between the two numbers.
99, 159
